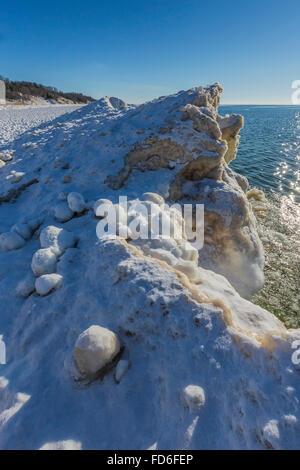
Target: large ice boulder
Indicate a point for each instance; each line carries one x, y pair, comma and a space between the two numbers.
197, 144
46, 283
76, 202
94, 349
58, 239
43, 261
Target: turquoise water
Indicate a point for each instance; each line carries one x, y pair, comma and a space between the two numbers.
269, 156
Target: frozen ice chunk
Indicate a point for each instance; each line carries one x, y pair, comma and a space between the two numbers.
58, 239
46, 283
43, 261
76, 202
62, 212
94, 349
190, 269
193, 398
271, 434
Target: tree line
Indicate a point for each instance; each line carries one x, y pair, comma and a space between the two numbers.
22, 91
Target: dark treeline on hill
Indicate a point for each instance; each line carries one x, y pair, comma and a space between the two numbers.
23, 91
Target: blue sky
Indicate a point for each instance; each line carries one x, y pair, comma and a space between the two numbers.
138, 50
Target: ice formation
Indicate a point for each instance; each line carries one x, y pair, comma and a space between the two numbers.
47, 282
193, 398
200, 144
192, 341
43, 261
76, 202
56, 239
95, 348
62, 212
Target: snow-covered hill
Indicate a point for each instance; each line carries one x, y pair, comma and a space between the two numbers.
30, 93
191, 364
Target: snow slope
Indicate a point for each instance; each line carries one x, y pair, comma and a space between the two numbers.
15, 120
204, 367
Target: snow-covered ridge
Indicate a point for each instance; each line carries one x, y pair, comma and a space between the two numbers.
122, 343
17, 120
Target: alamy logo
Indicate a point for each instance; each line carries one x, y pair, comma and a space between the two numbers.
2, 352
145, 220
296, 354
296, 93
2, 92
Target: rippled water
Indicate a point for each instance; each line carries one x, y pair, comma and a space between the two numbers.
269, 155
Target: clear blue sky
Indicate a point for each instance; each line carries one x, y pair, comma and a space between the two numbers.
140, 49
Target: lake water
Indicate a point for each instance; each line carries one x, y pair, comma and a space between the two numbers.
269, 156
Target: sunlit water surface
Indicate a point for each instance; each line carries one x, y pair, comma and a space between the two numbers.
269, 156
